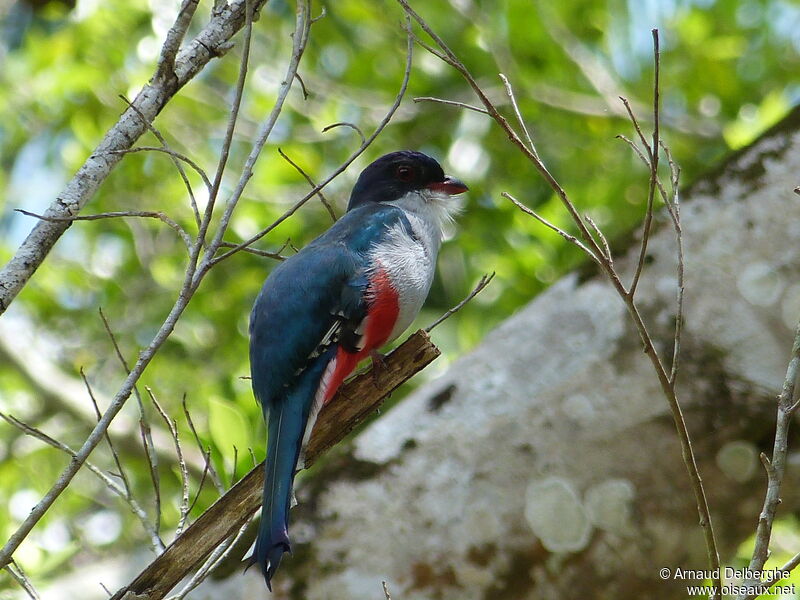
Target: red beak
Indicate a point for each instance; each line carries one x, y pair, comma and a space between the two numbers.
450, 186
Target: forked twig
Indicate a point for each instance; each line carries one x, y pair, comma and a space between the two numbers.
173, 430
18, 575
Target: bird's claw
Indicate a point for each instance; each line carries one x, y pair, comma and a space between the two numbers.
378, 366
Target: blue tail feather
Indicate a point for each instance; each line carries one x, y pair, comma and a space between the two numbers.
286, 422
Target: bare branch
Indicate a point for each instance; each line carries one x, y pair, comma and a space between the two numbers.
175, 35
776, 466
352, 126
520, 120
144, 428
173, 430
484, 281
310, 181
664, 379
117, 462
176, 158
176, 155
146, 214
207, 457
476, 109
21, 578
136, 509
636, 126
255, 251
212, 41
356, 400
386, 593
300, 39
601, 237
216, 558
636, 149
654, 153
212, 472
569, 237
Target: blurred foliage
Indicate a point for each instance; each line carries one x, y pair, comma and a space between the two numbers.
728, 70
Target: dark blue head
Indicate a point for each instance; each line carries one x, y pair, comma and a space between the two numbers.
396, 174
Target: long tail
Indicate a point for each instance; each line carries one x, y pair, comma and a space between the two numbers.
286, 425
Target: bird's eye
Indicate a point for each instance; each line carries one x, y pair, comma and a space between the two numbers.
405, 173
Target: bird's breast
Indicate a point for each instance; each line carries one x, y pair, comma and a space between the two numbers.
406, 263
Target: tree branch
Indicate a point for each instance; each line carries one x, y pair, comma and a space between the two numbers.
211, 42
355, 401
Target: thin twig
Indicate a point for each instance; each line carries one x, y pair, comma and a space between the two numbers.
484, 281
386, 593
136, 509
635, 148
228, 139
520, 120
21, 578
235, 462
302, 83
145, 214
176, 157
207, 458
776, 466
567, 236
476, 109
310, 181
117, 462
300, 40
212, 472
788, 566
255, 251
144, 428
173, 430
636, 126
648, 218
352, 126
381, 126
216, 558
601, 236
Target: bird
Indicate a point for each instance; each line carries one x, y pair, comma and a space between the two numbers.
337, 301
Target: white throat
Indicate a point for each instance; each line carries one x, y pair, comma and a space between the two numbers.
429, 213
410, 259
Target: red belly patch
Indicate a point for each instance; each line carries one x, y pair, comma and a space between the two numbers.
383, 307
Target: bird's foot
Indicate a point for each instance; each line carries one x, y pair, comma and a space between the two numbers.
378, 366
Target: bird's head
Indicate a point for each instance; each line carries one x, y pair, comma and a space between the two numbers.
400, 174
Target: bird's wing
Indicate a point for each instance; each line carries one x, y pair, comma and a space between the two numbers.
315, 299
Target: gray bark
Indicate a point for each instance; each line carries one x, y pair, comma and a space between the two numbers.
545, 464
